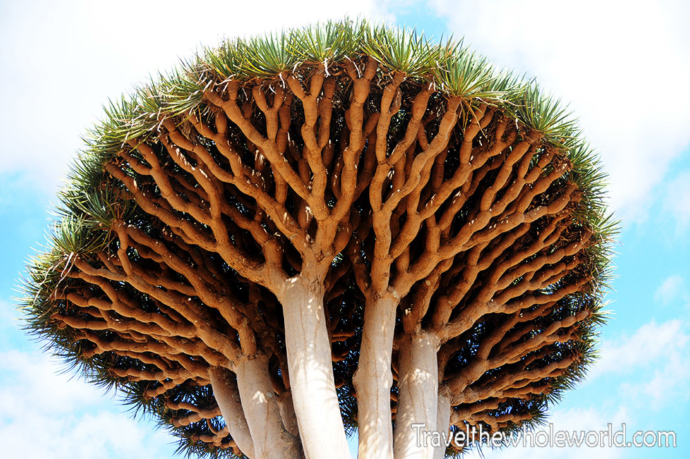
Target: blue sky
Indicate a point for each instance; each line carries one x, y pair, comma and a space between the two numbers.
623, 65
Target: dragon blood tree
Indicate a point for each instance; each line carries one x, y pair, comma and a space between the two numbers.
337, 229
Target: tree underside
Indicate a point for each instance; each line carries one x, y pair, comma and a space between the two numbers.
342, 249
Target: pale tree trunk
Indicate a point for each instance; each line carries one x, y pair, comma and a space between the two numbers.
287, 413
228, 398
260, 406
373, 379
418, 396
311, 370
443, 421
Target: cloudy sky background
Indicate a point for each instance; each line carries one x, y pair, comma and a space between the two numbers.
624, 66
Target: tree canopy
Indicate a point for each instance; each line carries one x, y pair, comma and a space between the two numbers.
343, 218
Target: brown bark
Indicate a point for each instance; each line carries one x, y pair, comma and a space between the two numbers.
458, 224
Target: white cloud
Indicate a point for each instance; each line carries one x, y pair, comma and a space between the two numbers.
677, 200
104, 435
60, 395
668, 387
44, 414
655, 362
658, 357
623, 64
651, 345
672, 288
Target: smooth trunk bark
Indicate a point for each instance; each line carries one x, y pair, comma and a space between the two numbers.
373, 379
443, 422
311, 371
271, 440
228, 398
418, 396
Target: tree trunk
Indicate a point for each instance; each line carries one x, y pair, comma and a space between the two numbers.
311, 370
418, 396
228, 398
287, 413
271, 440
373, 379
443, 421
